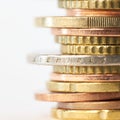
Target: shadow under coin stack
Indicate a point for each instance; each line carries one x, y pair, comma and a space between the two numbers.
86, 77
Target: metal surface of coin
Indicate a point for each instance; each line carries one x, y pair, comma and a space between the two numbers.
76, 87
90, 49
87, 40
62, 114
99, 105
73, 60
76, 97
89, 4
87, 32
85, 78
91, 12
79, 22
87, 69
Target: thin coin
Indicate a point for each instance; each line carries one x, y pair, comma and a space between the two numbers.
85, 78
87, 32
73, 60
85, 114
79, 22
99, 105
74, 87
91, 12
89, 4
76, 97
87, 40
87, 69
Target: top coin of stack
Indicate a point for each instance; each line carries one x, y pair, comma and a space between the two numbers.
88, 71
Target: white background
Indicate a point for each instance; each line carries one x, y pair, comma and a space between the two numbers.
19, 81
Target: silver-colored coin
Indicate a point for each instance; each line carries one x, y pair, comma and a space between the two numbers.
76, 60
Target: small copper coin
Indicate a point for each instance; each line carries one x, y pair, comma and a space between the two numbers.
76, 97
85, 78
80, 12
87, 32
99, 105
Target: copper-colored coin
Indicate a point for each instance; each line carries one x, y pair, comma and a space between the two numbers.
77, 97
85, 78
99, 105
82, 12
87, 32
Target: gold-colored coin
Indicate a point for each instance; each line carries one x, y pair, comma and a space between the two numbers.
85, 40
87, 69
79, 22
83, 87
90, 4
85, 114
90, 49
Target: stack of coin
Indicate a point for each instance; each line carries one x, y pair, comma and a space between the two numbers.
86, 76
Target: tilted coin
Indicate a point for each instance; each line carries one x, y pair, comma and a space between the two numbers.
83, 87
89, 4
87, 32
79, 22
92, 12
90, 49
99, 105
62, 114
85, 78
87, 40
87, 69
77, 97
73, 60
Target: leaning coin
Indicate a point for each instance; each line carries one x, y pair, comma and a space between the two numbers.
79, 22
73, 60
99, 105
62, 114
76, 97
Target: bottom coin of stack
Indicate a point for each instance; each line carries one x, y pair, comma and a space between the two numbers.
86, 96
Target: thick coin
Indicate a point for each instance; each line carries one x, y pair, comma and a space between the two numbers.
83, 12
74, 87
90, 49
89, 4
99, 105
85, 78
85, 40
87, 32
79, 22
77, 97
73, 60
87, 69
85, 114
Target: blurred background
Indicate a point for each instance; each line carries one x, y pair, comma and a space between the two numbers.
19, 36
